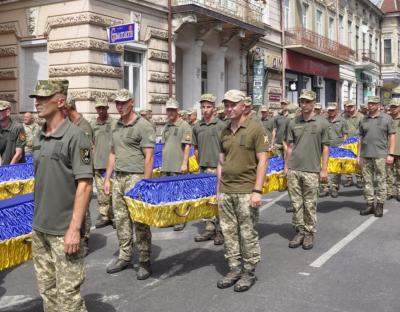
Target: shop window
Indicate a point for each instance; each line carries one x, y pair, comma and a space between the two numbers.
34, 67
133, 75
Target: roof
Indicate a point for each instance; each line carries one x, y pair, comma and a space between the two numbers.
390, 6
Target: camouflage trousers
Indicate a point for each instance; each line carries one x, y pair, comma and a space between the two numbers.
211, 225
393, 177
88, 222
374, 168
349, 177
279, 150
123, 182
238, 222
303, 191
334, 181
59, 276
103, 200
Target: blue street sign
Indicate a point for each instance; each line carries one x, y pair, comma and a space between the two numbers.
123, 33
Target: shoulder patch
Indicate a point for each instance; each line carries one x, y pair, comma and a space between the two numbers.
85, 155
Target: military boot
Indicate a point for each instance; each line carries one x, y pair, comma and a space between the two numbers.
379, 210
297, 240
324, 192
389, 196
230, 279
144, 271
179, 227
308, 242
118, 266
205, 236
219, 238
247, 280
369, 209
359, 185
334, 193
349, 183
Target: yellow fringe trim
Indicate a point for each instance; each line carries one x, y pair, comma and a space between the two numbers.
16, 188
15, 251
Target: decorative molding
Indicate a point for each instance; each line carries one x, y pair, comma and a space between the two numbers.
180, 19
81, 18
158, 56
10, 27
32, 16
8, 51
85, 70
155, 33
160, 77
8, 74
158, 99
7, 96
90, 95
84, 44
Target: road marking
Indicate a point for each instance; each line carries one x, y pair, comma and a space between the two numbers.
304, 273
10, 301
266, 206
342, 243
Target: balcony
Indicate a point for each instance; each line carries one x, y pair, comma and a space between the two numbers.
239, 13
367, 60
310, 43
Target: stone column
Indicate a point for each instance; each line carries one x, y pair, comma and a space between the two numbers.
191, 74
216, 73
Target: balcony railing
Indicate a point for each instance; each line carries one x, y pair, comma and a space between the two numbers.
368, 56
312, 40
238, 9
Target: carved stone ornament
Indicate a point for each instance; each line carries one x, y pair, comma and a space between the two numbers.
10, 27
180, 19
160, 77
10, 97
90, 95
258, 53
85, 70
158, 56
32, 16
84, 44
155, 33
81, 18
158, 99
8, 51
7, 74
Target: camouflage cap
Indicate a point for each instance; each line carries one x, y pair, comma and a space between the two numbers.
123, 95
292, 108
263, 108
363, 105
50, 87
220, 109
285, 101
248, 101
349, 103
308, 95
318, 106
208, 97
395, 102
234, 96
172, 103
374, 99
101, 102
332, 106
70, 103
4, 105
143, 112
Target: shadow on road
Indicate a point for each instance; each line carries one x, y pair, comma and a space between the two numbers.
331, 205
285, 230
96, 242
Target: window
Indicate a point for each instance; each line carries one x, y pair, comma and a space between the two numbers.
376, 50
133, 75
341, 30
370, 51
34, 66
331, 28
357, 38
349, 42
387, 48
318, 22
287, 14
304, 15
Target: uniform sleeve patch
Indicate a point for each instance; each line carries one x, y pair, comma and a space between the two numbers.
85, 155
188, 136
22, 137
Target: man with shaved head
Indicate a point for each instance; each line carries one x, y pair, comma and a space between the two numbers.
31, 129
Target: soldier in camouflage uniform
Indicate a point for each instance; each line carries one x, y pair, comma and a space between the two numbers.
318, 109
393, 171
103, 127
268, 122
241, 172
353, 119
338, 133
206, 142
280, 125
307, 140
131, 157
376, 149
63, 183
12, 137
79, 121
31, 129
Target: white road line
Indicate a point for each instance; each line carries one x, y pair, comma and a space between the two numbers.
266, 206
342, 243
304, 273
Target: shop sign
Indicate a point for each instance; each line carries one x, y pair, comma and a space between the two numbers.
274, 97
258, 82
274, 62
123, 33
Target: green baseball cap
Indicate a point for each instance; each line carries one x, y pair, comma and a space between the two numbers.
208, 97
4, 105
395, 102
234, 96
70, 102
332, 106
50, 87
101, 102
308, 95
123, 95
374, 99
172, 104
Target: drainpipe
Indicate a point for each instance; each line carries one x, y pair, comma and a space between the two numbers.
283, 50
170, 48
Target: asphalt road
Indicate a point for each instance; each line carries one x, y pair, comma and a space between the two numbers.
354, 267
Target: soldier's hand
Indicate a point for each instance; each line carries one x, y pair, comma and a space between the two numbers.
323, 176
255, 200
107, 186
71, 241
285, 170
389, 160
184, 168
